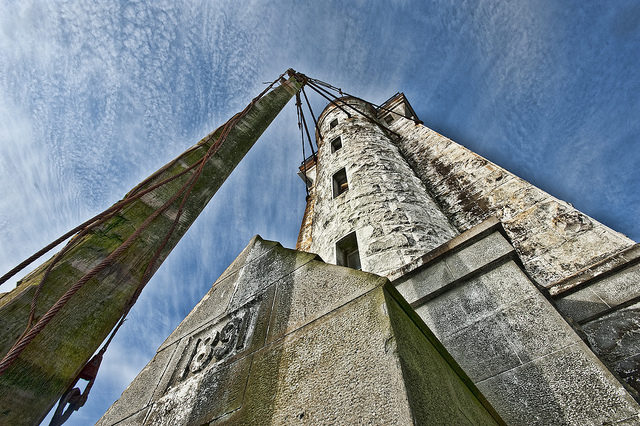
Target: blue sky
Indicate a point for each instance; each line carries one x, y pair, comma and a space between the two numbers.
95, 96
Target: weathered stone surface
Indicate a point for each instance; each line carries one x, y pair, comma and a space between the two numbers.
504, 332
616, 339
553, 239
52, 360
325, 289
453, 266
601, 294
619, 260
138, 395
565, 387
395, 220
437, 389
342, 347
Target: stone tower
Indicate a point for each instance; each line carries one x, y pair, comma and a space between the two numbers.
429, 286
507, 276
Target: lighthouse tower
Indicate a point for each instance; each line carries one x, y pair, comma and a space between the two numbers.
506, 276
370, 209
428, 286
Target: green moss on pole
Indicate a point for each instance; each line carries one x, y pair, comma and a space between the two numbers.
47, 366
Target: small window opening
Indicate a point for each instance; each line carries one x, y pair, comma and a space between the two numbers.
340, 183
389, 119
333, 123
336, 144
347, 252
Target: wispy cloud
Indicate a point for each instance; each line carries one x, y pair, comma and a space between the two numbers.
96, 96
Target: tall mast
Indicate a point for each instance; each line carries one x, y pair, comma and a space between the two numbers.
149, 226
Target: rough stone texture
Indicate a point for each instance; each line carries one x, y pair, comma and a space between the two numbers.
528, 362
553, 239
619, 260
616, 338
387, 206
602, 301
306, 343
600, 295
44, 370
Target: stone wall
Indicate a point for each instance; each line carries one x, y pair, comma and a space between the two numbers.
603, 302
553, 239
387, 206
283, 338
521, 353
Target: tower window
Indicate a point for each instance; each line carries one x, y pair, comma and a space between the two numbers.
347, 253
388, 119
340, 183
333, 123
336, 144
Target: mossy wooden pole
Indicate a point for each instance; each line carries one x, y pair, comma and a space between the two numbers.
44, 370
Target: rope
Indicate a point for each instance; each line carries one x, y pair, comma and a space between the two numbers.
312, 114
27, 337
319, 82
304, 156
304, 123
329, 99
371, 119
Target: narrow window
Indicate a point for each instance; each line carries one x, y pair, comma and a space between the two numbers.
333, 123
336, 144
388, 119
347, 252
340, 183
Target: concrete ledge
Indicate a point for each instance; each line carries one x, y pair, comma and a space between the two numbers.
470, 254
597, 271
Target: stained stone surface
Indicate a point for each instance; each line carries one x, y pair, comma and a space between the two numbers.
306, 343
553, 239
526, 359
477, 290
602, 301
386, 204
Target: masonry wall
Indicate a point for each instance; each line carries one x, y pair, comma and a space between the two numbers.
521, 353
283, 338
603, 302
387, 206
553, 239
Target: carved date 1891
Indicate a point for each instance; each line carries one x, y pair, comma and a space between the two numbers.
216, 345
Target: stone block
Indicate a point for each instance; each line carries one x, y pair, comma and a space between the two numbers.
480, 297
581, 304
437, 388
615, 336
426, 281
201, 399
134, 419
312, 291
568, 386
256, 248
629, 370
478, 254
620, 287
139, 393
338, 369
213, 305
255, 277
483, 349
